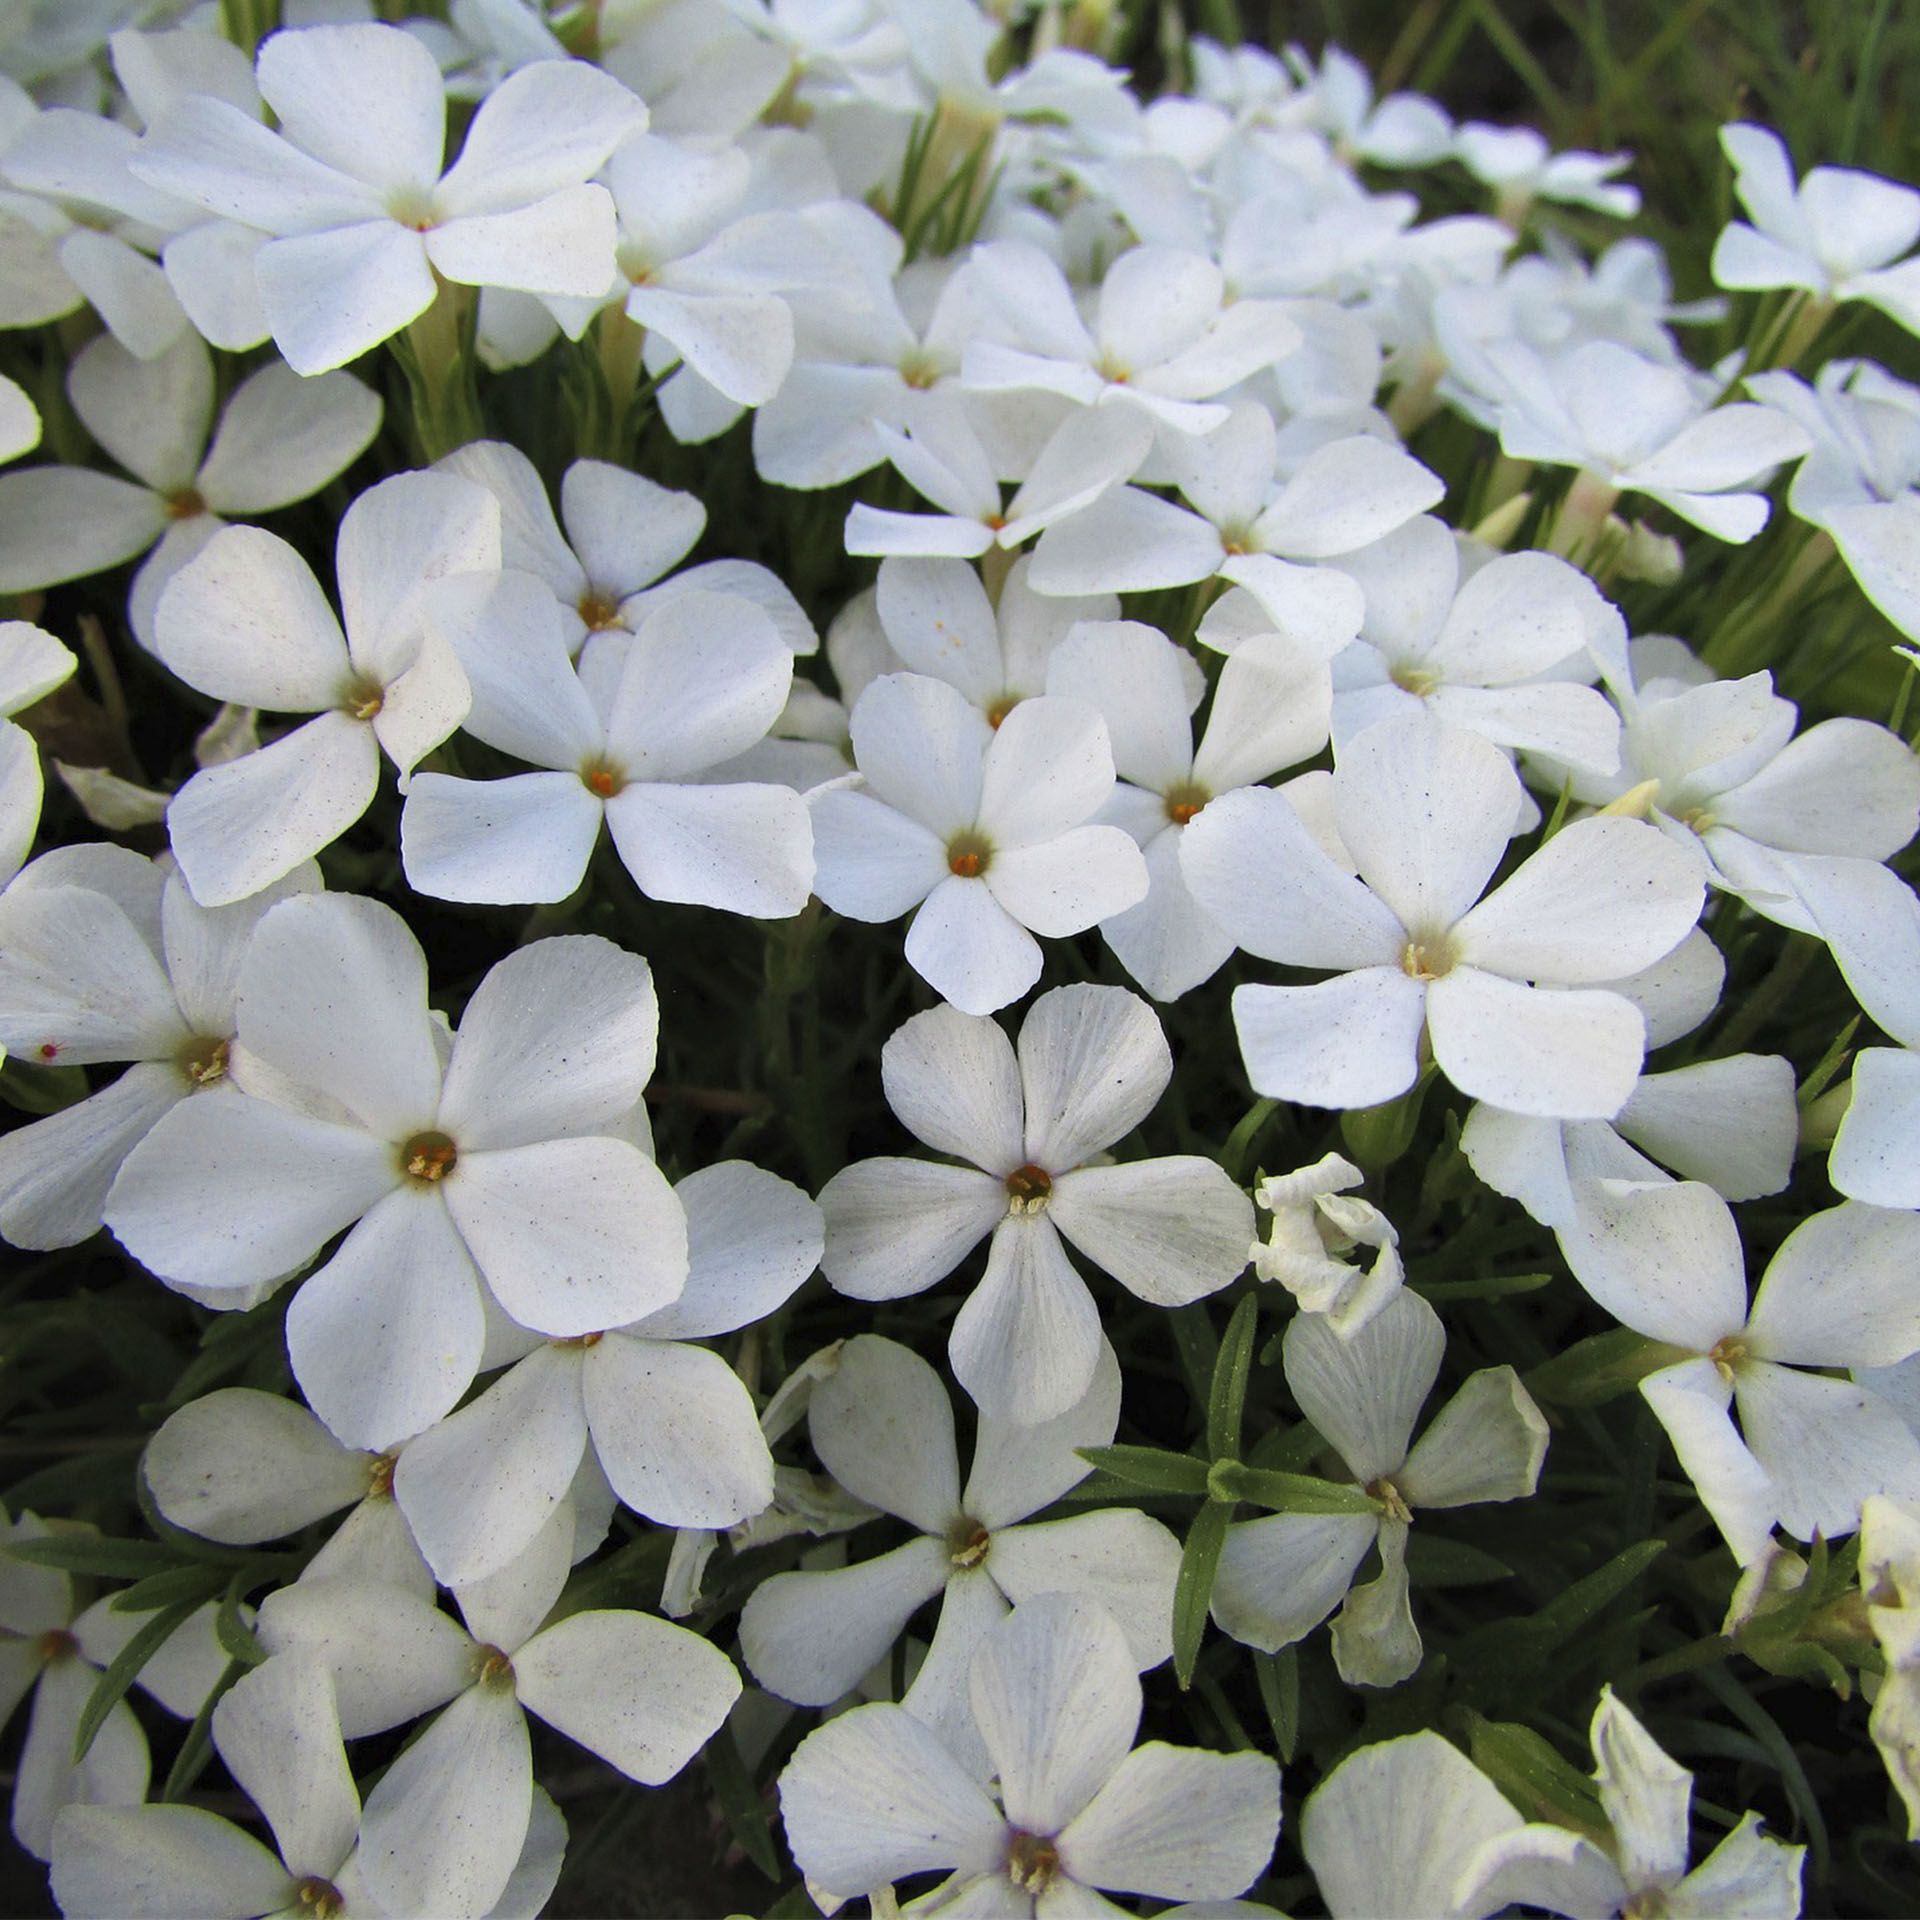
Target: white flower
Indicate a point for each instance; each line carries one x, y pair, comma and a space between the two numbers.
1389, 1831
939, 453
106, 958
1520, 167
1647, 1800
983, 830
1634, 426
280, 438
278, 1734
505, 1168
1164, 339
442, 1831
670, 1424
1508, 992
1890, 1587
1665, 1260
882, 1425
628, 740
1092, 1062
875, 1796
246, 622
1272, 540
19, 421
32, 664
1838, 234
365, 229
1269, 711
1280, 1576
1314, 1224
1865, 429
1481, 652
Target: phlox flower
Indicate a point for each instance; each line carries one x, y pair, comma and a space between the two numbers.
1632, 425
1164, 340
1402, 130
1865, 429
279, 439
19, 421
32, 664
247, 622
364, 229
1666, 1261
937, 619
1269, 711
626, 740
448, 1822
1647, 1801
608, 555
55, 1650
985, 831
875, 1796
501, 1163
1890, 1588
1029, 1125
1316, 1222
103, 957
1518, 165
1509, 992
1838, 234
1390, 1831
278, 1734
1242, 525
669, 1423
1480, 651
1362, 1390
882, 1425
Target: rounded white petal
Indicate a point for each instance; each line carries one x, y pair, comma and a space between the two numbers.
1027, 1339
894, 1227
883, 1427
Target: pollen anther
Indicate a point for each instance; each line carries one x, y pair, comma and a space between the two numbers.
429, 1157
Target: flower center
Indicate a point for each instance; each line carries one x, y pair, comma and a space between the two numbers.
1028, 1188
1727, 1355
601, 779
203, 1060
413, 209
1427, 959
321, 1898
1391, 1498
599, 610
363, 697
968, 1542
492, 1667
1003, 705
185, 505
1032, 1861
429, 1157
1700, 819
56, 1644
581, 1341
1415, 680
1650, 1903
380, 1476
1185, 800
1109, 368
919, 371
969, 855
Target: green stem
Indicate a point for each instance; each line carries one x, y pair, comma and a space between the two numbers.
436, 353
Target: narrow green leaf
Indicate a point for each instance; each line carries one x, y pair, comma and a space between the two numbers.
1436, 1563
1150, 1467
124, 1669
1278, 1675
740, 1802
1247, 1129
1287, 1492
1828, 1066
1193, 1591
238, 1639
88, 1553
1198, 1345
164, 1589
1599, 1368
1562, 1617
1227, 1398
1534, 1776
1490, 1286
191, 1761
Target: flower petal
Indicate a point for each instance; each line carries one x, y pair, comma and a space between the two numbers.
1027, 1339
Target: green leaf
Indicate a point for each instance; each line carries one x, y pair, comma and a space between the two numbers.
164, 1589
1278, 1675
1286, 1492
1436, 1563
1227, 1398
238, 1639
41, 1090
795, 1904
1562, 1617
191, 1761
1491, 1286
1198, 1345
1600, 1367
1233, 1156
740, 1802
112, 1685
1534, 1776
1151, 1467
1193, 1591
88, 1553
